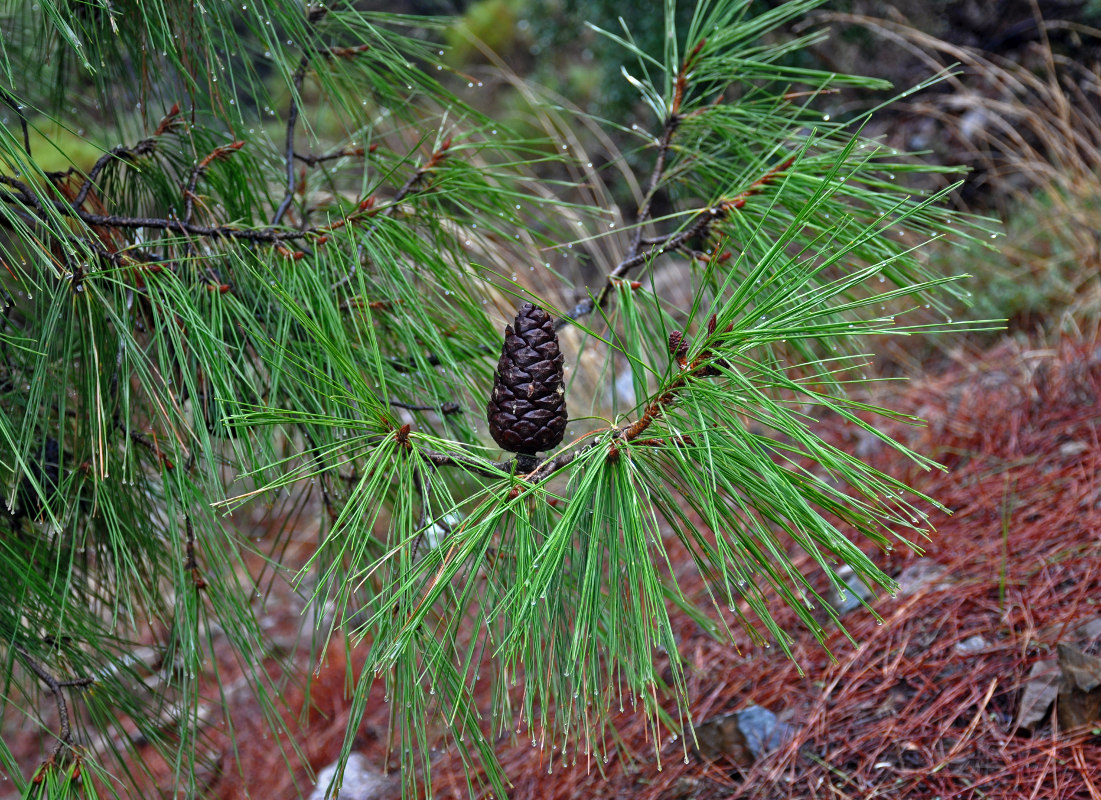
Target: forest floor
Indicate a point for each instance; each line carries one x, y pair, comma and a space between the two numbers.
950, 697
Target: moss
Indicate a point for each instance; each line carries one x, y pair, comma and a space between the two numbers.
493, 22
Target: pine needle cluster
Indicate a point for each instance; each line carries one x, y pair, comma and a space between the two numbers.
287, 263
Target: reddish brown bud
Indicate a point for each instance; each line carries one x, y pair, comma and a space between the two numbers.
678, 346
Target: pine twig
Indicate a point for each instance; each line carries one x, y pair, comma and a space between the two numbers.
700, 225
406, 189
197, 171
312, 160
18, 109
446, 409
191, 564
292, 122
121, 152
55, 686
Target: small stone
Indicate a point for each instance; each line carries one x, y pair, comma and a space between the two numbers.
920, 575
741, 737
856, 591
358, 783
1041, 689
972, 644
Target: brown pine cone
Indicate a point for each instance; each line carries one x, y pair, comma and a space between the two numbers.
527, 409
678, 346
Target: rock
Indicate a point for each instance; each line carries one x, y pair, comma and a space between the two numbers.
920, 575
1090, 633
972, 644
358, 783
1040, 692
855, 591
1080, 689
742, 737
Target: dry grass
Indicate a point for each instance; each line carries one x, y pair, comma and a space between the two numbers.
1031, 131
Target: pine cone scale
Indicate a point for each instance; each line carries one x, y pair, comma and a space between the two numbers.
527, 408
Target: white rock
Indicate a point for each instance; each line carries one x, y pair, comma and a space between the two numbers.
359, 782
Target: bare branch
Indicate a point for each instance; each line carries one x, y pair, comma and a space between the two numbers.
55, 686
292, 121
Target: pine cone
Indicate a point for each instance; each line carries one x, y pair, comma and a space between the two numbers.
678, 346
527, 409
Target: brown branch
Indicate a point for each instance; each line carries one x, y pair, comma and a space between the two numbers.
681, 85
446, 409
315, 16
152, 446
313, 160
55, 686
142, 148
197, 171
406, 189
645, 207
268, 235
191, 564
423, 482
292, 121
664, 143
703, 365
18, 109
478, 466
673, 242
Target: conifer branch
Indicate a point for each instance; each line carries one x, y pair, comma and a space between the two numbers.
292, 122
121, 152
700, 225
313, 160
17, 107
197, 172
55, 686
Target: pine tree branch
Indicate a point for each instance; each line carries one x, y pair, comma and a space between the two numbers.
406, 189
661, 245
700, 225
313, 160
18, 109
292, 121
446, 409
191, 565
423, 483
142, 148
703, 365
478, 466
197, 171
55, 686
